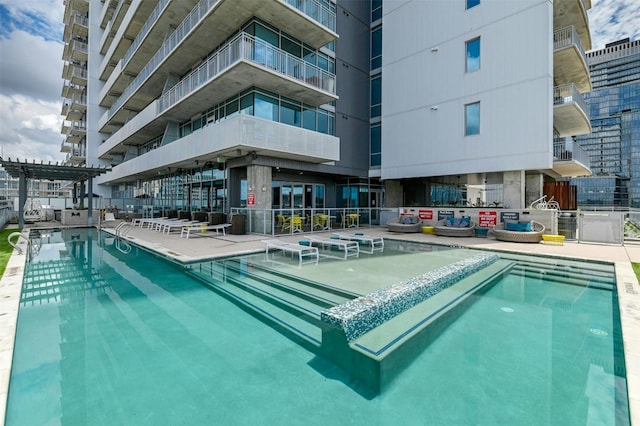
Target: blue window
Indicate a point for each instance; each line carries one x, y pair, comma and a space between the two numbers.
472, 3
376, 48
472, 48
472, 119
376, 96
375, 145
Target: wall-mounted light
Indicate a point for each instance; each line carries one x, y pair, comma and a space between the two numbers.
434, 107
435, 49
264, 188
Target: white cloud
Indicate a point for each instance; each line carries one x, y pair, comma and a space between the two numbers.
31, 81
30, 128
612, 20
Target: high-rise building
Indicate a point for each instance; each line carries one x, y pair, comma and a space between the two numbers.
214, 104
614, 144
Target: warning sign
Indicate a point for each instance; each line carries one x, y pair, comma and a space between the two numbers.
251, 199
487, 219
425, 214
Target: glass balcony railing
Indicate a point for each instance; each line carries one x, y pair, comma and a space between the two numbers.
315, 9
246, 47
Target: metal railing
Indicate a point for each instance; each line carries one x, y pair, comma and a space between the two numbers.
567, 150
246, 47
566, 37
568, 93
311, 8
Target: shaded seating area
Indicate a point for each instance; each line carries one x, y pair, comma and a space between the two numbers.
454, 227
519, 232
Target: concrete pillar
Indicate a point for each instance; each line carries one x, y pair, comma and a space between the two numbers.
393, 193
259, 184
513, 186
22, 197
90, 205
534, 188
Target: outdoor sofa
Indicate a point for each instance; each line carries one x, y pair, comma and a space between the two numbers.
454, 227
405, 223
519, 232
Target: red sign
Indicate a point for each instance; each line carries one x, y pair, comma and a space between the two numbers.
425, 214
251, 199
487, 219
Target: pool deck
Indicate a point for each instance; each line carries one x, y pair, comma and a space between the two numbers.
212, 245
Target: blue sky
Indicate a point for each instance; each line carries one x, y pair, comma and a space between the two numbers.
31, 68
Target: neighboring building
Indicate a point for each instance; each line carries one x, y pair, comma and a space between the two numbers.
310, 104
614, 144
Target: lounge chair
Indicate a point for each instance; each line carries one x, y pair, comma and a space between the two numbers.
367, 243
348, 248
202, 228
533, 236
306, 254
445, 228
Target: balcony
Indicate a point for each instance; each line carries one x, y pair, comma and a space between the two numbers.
569, 60
569, 159
123, 27
235, 137
213, 21
64, 147
570, 111
568, 13
77, 26
240, 64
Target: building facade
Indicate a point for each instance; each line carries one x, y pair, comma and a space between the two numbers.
212, 104
614, 144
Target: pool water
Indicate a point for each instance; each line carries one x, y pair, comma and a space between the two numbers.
110, 338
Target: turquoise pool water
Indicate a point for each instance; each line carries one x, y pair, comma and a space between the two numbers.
110, 338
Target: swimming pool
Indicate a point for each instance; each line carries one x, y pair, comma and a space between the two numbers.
106, 337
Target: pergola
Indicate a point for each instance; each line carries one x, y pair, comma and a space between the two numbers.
25, 170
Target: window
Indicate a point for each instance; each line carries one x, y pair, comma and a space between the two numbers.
376, 96
472, 119
472, 48
472, 3
376, 48
375, 148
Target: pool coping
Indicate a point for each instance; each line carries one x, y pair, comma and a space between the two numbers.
626, 283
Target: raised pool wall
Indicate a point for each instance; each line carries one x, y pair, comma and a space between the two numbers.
343, 324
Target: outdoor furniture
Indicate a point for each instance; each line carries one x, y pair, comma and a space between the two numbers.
306, 254
405, 223
348, 248
202, 228
502, 232
371, 243
454, 227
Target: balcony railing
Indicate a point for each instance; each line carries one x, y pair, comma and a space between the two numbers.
566, 37
568, 93
246, 47
567, 150
316, 11
142, 35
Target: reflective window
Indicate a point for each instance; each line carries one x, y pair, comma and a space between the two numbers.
472, 119
375, 145
376, 96
376, 48
473, 54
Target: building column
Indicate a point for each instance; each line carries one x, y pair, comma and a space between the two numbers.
22, 197
259, 194
514, 186
393, 194
534, 188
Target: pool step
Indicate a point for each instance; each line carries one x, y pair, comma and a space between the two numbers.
288, 303
565, 274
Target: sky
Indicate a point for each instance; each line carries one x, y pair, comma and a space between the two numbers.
31, 69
